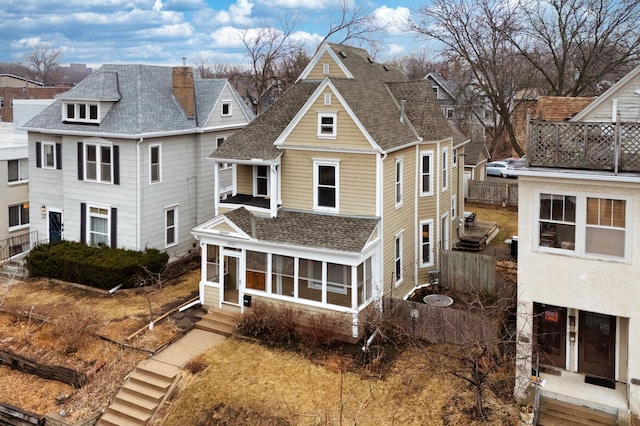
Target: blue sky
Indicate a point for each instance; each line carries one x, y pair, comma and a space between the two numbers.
95, 32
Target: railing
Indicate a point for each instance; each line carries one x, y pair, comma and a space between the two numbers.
16, 245
604, 146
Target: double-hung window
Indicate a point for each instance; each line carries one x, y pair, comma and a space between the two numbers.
365, 282
48, 155
18, 170
445, 169
426, 173
98, 226
155, 175
426, 243
19, 215
327, 124
399, 171
81, 112
454, 205
583, 225
98, 163
398, 258
326, 185
171, 226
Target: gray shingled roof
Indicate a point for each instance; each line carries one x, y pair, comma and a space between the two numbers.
473, 151
315, 230
146, 103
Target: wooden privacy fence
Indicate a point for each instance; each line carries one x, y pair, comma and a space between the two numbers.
492, 192
438, 324
468, 272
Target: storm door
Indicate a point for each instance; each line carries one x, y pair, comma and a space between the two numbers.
55, 226
550, 328
597, 346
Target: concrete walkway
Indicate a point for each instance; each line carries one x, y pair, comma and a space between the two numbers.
189, 346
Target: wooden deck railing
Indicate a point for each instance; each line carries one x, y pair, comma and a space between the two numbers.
604, 146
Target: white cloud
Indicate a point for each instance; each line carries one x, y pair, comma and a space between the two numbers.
297, 4
172, 31
393, 21
228, 37
238, 13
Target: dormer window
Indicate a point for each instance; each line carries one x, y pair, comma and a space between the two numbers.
81, 112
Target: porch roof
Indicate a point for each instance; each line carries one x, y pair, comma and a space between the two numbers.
323, 231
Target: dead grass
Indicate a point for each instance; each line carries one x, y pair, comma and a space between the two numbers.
68, 337
266, 386
505, 217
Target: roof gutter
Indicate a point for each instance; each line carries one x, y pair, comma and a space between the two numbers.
128, 135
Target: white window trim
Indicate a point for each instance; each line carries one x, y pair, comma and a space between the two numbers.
325, 69
445, 168
76, 109
454, 158
43, 153
255, 181
428, 154
21, 179
331, 163
176, 241
334, 128
398, 257
107, 216
454, 207
327, 98
230, 111
99, 147
21, 225
428, 222
581, 227
399, 182
151, 147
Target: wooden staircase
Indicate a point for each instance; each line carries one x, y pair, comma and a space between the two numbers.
553, 412
222, 322
143, 393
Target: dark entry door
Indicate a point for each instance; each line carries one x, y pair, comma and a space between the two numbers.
55, 226
550, 325
597, 344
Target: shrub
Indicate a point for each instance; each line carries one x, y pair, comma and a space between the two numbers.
100, 267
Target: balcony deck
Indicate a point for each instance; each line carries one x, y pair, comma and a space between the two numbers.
603, 146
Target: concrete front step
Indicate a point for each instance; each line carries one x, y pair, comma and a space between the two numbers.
221, 322
553, 412
141, 395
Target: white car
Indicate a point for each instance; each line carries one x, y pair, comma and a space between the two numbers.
501, 168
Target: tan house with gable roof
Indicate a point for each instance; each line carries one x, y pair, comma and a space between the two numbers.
343, 190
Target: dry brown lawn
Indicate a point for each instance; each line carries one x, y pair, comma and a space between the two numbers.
59, 324
246, 383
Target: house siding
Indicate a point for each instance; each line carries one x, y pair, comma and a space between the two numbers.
356, 186
237, 117
317, 72
627, 107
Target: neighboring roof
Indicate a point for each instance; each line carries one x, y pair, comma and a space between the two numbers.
314, 230
634, 73
449, 86
143, 102
13, 142
256, 140
17, 77
560, 108
473, 152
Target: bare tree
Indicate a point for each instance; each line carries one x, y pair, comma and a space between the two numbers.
43, 62
353, 24
576, 44
416, 65
467, 30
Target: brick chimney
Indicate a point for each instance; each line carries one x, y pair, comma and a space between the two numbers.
183, 89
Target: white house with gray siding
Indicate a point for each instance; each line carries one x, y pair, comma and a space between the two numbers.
121, 159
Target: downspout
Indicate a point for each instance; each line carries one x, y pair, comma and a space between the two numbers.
416, 219
138, 195
379, 208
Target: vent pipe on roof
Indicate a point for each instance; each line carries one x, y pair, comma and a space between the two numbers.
403, 104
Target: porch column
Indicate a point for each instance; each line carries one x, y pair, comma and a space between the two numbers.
203, 271
216, 188
273, 190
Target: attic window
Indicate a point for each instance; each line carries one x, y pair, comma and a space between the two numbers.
327, 125
344, 55
325, 69
80, 112
226, 109
327, 98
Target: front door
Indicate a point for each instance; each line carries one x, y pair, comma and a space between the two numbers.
550, 328
597, 345
231, 278
55, 226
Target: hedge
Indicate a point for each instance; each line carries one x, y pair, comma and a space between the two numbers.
100, 267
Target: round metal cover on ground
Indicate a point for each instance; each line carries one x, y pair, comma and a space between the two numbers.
437, 300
